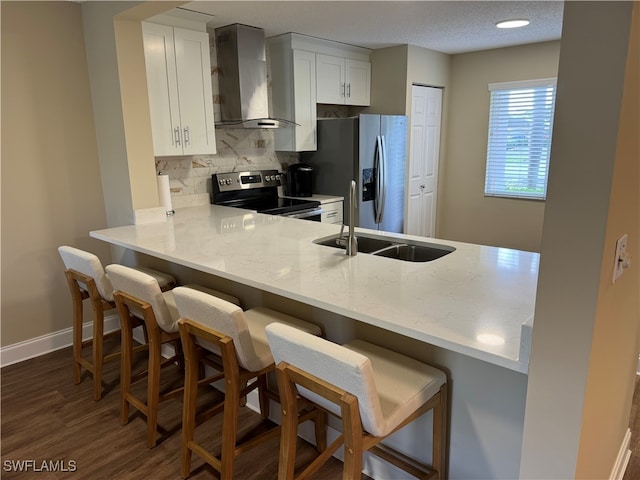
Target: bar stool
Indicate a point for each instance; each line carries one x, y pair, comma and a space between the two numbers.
87, 279
373, 390
238, 337
138, 296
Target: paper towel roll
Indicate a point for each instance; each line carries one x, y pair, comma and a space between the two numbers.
164, 192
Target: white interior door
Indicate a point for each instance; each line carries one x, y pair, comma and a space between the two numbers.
422, 178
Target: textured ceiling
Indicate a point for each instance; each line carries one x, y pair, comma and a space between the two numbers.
445, 26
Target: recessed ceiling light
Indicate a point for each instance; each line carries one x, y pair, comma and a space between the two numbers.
513, 23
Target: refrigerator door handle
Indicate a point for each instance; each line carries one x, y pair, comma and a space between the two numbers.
379, 171
383, 176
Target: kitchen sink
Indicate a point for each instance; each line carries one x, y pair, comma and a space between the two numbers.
366, 244
414, 253
409, 251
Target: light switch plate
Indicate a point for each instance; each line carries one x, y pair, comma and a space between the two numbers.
619, 262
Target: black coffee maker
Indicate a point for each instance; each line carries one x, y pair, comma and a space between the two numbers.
299, 180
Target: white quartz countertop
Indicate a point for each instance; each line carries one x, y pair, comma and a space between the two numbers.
472, 301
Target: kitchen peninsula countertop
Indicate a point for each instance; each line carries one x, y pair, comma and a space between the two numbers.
472, 301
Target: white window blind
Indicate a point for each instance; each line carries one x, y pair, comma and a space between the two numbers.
519, 143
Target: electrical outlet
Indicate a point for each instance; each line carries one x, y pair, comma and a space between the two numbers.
621, 260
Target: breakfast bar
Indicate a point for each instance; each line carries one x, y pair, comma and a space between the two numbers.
463, 312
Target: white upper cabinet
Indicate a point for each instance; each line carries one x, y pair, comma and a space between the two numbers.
293, 91
358, 80
304, 91
306, 71
342, 80
179, 85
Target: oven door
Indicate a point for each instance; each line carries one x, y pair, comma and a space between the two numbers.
313, 214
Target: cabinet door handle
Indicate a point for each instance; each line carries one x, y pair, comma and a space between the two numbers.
343, 87
349, 90
176, 135
187, 136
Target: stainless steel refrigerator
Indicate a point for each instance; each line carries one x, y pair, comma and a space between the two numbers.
371, 149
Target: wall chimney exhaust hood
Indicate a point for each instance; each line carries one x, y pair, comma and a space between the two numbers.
242, 78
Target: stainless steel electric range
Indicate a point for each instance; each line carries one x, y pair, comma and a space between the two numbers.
258, 190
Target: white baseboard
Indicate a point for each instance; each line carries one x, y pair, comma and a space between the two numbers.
35, 347
623, 458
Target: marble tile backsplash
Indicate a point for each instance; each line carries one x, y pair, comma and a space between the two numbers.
238, 150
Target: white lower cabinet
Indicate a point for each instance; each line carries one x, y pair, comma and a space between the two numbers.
179, 85
332, 212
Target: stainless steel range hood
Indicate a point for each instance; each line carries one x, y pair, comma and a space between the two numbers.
242, 77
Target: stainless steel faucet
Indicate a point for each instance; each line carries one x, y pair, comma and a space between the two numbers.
351, 244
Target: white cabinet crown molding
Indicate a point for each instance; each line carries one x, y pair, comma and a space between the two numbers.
323, 46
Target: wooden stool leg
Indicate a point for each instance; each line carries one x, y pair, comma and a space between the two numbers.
352, 431
440, 419
126, 349
77, 336
289, 425
192, 368
229, 425
177, 346
77, 296
262, 396
153, 389
320, 428
98, 339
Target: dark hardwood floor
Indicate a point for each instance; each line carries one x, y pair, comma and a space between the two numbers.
45, 417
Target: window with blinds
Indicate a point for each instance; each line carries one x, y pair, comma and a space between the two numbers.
519, 143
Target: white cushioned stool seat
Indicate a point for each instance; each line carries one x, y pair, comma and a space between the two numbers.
146, 288
402, 383
139, 295
246, 328
90, 265
238, 337
87, 278
391, 389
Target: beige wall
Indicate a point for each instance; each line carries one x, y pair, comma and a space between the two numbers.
113, 38
613, 362
464, 213
51, 192
135, 113
388, 80
584, 346
99, 40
